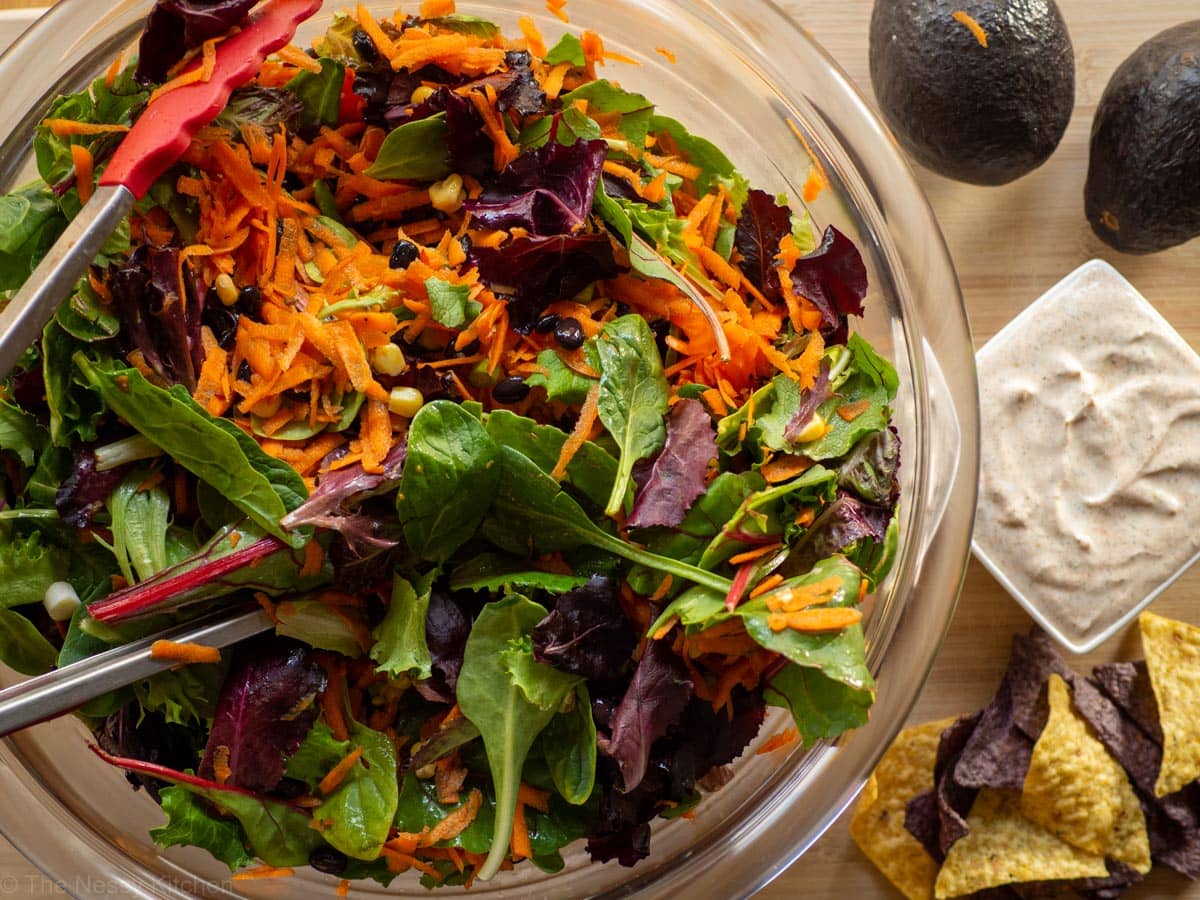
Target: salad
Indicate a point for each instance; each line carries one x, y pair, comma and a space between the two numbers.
539, 432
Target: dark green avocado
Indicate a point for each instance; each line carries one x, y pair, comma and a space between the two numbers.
1143, 183
980, 114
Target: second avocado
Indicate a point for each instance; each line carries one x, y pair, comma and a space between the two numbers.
975, 90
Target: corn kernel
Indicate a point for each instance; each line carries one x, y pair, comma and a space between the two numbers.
61, 601
814, 430
405, 401
421, 94
264, 409
448, 194
227, 291
388, 360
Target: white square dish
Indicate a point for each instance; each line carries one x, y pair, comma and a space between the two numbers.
1089, 503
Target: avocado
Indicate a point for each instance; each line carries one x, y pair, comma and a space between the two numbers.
1143, 183
977, 90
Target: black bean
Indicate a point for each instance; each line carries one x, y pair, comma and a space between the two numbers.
546, 324
249, 300
404, 254
569, 333
510, 390
365, 46
328, 860
466, 243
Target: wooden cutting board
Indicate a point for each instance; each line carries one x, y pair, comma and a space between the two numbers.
1009, 244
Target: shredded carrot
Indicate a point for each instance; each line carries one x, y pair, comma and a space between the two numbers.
964, 18
766, 584
343, 888
778, 741
221, 770
333, 706
852, 411
520, 845
432, 9
667, 54
338, 773
263, 872
558, 8
834, 618
194, 75
751, 555
784, 467
531, 796
71, 128
294, 56
184, 653
457, 821
314, 558
579, 434
533, 37
81, 158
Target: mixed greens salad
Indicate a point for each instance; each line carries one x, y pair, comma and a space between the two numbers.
420, 346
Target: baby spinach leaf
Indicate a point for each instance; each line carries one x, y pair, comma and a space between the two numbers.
697, 608
416, 151
633, 396
191, 825
491, 697
278, 833
321, 93
464, 24
715, 166
573, 126
20, 433
531, 511
822, 707
449, 480
569, 745
568, 50
872, 380
562, 383
761, 515
635, 110
22, 646
400, 644
841, 656
358, 815
592, 469
85, 317
317, 754
448, 302
499, 571
214, 450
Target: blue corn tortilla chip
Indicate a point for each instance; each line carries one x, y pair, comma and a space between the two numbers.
997, 753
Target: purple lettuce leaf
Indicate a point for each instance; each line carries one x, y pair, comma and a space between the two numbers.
447, 627
85, 490
265, 709
834, 279
587, 634
547, 191
653, 703
539, 271
703, 740
809, 404
329, 505
155, 320
471, 150
146, 735
679, 473
843, 522
761, 226
176, 26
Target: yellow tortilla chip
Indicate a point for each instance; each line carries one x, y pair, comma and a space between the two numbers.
1173, 657
877, 826
1003, 847
1077, 791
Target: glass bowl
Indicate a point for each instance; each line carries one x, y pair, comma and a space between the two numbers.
743, 71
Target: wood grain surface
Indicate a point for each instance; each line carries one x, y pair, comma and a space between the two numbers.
1009, 244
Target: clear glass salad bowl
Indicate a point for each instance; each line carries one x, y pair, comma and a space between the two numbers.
748, 78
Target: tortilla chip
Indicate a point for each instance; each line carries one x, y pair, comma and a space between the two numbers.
1003, 847
997, 753
904, 771
1128, 684
1173, 657
1076, 790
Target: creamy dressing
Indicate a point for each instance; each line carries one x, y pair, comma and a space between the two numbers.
1090, 490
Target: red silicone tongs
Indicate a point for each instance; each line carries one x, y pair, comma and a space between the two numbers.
156, 141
